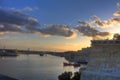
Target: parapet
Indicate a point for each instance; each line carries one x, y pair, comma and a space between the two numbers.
105, 43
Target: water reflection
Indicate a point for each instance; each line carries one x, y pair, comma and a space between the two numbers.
33, 67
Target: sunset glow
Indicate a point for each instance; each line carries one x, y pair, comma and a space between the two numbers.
56, 25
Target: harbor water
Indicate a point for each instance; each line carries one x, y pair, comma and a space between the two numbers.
33, 67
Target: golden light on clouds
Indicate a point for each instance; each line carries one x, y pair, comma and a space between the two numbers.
73, 36
113, 28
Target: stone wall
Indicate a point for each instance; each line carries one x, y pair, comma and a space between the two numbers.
105, 59
104, 63
92, 75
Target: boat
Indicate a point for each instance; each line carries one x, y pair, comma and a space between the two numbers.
67, 64
71, 64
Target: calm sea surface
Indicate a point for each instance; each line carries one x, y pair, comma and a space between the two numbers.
33, 67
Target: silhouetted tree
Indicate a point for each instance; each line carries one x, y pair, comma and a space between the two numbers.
68, 76
65, 76
116, 37
76, 76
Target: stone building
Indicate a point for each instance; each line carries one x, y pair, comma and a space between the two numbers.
104, 61
82, 55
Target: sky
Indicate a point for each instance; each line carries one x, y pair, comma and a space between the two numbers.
56, 25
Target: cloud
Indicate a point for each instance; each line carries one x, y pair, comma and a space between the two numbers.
98, 22
28, 9
14, 21
10, 28
88, 30
106, 23
117, 13
110, 22
59, 30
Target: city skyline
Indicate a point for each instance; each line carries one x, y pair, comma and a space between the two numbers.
56, 25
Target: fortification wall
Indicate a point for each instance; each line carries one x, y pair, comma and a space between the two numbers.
104, 63
105, 59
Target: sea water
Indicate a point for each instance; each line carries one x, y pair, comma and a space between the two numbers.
33, 67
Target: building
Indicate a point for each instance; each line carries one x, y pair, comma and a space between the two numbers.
104, 61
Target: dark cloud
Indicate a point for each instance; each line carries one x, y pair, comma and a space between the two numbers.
112, 20
10, 18
106, 23
60, 30
9, 28
16, 21
88, 30
100, 22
